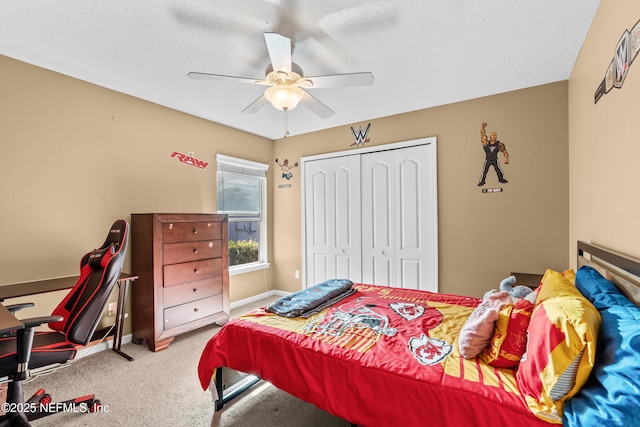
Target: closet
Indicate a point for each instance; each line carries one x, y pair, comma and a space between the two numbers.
370, 215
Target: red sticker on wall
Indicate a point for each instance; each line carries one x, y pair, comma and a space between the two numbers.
190, 160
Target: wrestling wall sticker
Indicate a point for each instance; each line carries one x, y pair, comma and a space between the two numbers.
625, 52
189, 159
286, 168
361, 136
492, 147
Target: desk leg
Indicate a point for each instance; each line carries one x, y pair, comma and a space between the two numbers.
123, 289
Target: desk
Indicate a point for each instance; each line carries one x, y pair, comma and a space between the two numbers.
22, 289
8, 321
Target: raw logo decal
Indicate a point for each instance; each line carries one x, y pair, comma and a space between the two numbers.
626, 51
188, 159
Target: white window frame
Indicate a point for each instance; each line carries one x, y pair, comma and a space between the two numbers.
251, 168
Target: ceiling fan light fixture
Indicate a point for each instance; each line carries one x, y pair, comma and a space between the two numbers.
284, 96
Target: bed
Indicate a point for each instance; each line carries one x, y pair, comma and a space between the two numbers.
386, 356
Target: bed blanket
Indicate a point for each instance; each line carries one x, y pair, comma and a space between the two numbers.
311, 300
380, 357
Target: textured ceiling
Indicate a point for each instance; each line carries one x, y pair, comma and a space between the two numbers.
423, 53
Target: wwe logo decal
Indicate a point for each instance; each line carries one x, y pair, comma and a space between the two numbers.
360, 137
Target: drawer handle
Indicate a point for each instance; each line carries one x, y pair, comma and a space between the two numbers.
195, 250
196, 309
195, 231
195, 290
196, 271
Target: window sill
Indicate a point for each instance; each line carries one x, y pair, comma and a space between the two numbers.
241, 269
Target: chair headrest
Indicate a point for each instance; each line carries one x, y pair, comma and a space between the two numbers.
99, 258
117, 234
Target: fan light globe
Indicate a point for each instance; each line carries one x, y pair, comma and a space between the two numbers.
284, 96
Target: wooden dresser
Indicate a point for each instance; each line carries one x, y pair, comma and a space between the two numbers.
183, 265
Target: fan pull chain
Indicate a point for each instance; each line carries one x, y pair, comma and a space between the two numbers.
286, 122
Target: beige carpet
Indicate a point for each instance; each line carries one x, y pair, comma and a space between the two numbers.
162, 389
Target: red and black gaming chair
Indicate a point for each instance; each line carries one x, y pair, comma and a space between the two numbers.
73, 323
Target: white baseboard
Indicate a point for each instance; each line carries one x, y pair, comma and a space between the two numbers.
258, 297
105, 345
108, 344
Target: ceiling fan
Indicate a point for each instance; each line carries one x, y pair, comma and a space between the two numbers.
287, 84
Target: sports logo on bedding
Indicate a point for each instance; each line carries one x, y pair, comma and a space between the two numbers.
353, 315
407, 310
429, 351
356, 325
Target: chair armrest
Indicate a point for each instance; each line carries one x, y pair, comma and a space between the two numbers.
24, 343
37, 321
15, 307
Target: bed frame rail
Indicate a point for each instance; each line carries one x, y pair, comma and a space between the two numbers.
622, 270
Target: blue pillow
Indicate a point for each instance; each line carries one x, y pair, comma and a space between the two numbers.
611, 396
601, 292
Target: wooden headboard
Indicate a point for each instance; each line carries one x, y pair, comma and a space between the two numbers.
622, 270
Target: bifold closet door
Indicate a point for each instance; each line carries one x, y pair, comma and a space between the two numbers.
398, 231
371, 218
332, 219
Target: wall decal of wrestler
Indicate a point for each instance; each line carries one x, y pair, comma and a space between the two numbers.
286, 168
492, 147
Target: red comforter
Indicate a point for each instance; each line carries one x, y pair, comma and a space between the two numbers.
381, 357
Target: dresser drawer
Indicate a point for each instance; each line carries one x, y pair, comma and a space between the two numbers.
173, 232
187, 292
174, 253
185, 313
176, 274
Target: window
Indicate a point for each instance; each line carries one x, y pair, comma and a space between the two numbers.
242, 194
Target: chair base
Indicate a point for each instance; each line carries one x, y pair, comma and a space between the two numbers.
41, 405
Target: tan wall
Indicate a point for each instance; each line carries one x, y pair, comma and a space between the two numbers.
75, 157
482, 237
603, 138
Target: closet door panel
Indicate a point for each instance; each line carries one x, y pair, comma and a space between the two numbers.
332, 219
317, 224
381, 272
410, 274
378, 218
415, 254
372, 217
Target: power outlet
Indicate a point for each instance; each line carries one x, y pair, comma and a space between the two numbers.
297, 274
113, 308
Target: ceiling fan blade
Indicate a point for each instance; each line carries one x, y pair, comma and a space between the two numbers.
316, 106
279, 48
340, 80
206, 76
256, 105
